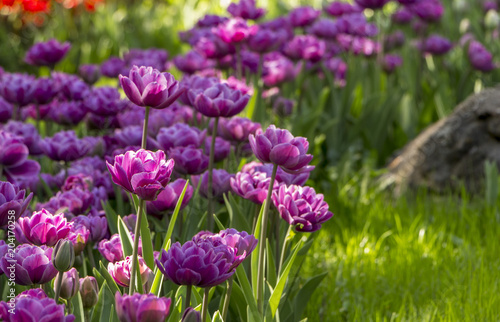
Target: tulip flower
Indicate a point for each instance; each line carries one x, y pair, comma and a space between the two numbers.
47, 53
189, 160
180, 135
220, 184
70, 284
65, 146
220, 100
13, 202
167, 199
246, 9
121, 271
43, 228
90, 73
479, 57
142, 307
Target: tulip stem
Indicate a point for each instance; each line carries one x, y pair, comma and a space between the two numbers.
204, 306
145, 129
58, 285
188, 296
90, 255
285, 242
227, 297
262, 243
210, 221
137, 235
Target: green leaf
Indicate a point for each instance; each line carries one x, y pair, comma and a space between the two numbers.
238, 300
105, 301
125, 238
217, 317
147, 243
111, 216
305, 293
255, 255
271, 267
109, 279
252, 310
77, 304
275, 298
98, 276
219, 224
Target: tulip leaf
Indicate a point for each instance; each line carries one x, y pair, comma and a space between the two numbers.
174, 215
111, 216
238, 300
271, 267
219, 224
77, 304
105, 301
109, 279
275, 298
235, 214
217, 317
175, 310
125, 238
247, 293
147, 243
305, 293
138, 278
98, 276
255, 255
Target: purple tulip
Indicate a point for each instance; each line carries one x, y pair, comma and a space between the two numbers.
325, 28
480, 58
305, 47
44, 90
68, 113
402, 16
189, 160
301, 207
96, 223
371, 4
337, 8
428, 10
283, 107
191, 315
76, 90
394, 40
132, 136
490, 5
252, 187
33, 305
142, 307
18, 88
12, 202
210, 44
200, 264
391, 62
47, 53
282, 177
235, 31
192, 62
281, 148
104, 101
168, 198
237, 129
339, 69
77, 201
143, 173
180, 135
120, 271
65, 146
113, 67
6, 110
32, 264
266, 40
27, 133
70, 284
221, 150
90, 73
237, 84
195, 85
246, 9
89, 291
220, 100
43, 228
277, 69
79, 236
210, 21
303, 16
112, 250
13, 158
146, 86
437, 45
220, 184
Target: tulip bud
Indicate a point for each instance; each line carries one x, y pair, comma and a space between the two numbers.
63, 256
191, 315
70, 284
89, 290
492, 20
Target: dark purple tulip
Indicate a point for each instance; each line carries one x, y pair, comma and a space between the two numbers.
303, 16
132, 136
33, 305
371, 4
65, 146
146, 86
339, 69
266, 40
77, 201
76, 90
27, 133
402, 16
90, 73
283, 107
192, 62
130, 221
428, 10
112, 250
337, 8
220, 184
32, 264
391, 62
222, 148
282, 177
195, 85
437, 45
68, 113
490, 5
200, 264
305, 47
325, 28
168, 198
394, 40
141, 307
209, 44
6, 110
13, 158
280, 147
246, 9
4, 248
252, 187
96, 223
120, 271
113, 67
44, 90
235, 30
143, 173
43, 228
12, 202
47, 53
165, 118
301, 207
479, 57
220, 100
18, 88
237, 129
210, 21
104, 101
189, 160
180, 135
191, 315
156, 54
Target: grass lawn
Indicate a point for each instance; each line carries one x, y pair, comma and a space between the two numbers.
421, 257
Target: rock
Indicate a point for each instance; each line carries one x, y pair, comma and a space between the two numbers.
453, 150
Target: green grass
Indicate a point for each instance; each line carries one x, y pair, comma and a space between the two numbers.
420, 257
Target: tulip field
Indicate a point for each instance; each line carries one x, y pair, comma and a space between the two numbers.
222, 161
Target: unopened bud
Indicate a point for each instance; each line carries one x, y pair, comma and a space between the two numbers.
63, 256
191, 315
70, 284
89, 290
